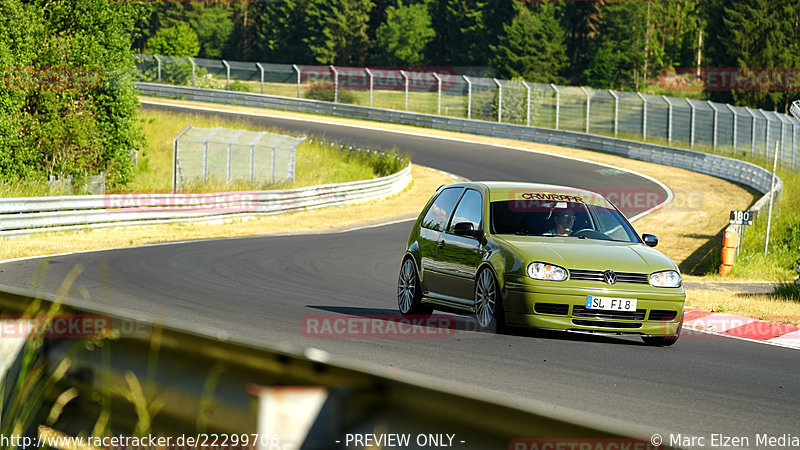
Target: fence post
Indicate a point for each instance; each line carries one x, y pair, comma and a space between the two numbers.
752, 131
766, 135
558, 103
616, 111
405, 85
369, 74
714, 145
159, 67
191, 60
297, 69
794, 144
735, 132
175, 157
261, 69
588, 106
253, 154
227, 75
469, 96
499, 101
783, 131
528, 106
692, 124
335, 84
644, 116
439, 90
669, 119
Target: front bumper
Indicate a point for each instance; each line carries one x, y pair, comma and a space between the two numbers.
561, 307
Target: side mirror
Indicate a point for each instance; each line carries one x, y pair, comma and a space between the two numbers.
465, 229
651, 240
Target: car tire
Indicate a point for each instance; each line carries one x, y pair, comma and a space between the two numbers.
664, 341
488, 305
409, 291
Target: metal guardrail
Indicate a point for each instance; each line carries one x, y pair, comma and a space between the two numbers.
735, 170
37, 214
358, 399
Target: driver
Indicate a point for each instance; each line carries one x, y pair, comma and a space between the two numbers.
563, 221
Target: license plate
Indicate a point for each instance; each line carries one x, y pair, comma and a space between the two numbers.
610, 303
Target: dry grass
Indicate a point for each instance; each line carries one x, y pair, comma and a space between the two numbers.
403, 205
757, 306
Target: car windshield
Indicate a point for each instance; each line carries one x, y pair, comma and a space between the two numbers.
562, 218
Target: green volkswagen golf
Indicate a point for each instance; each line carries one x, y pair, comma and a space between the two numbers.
542, 256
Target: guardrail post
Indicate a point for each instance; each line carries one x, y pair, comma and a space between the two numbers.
159, 67
191, 60
616, 111
261, 69
558, 103
644, 116
404, 74
692, 124
369, 74
499, 100
735, 132
528, 105
227, 75
297, 69
669, 119
752, 131
439, 90
469, 96
797, 261
714, 139
335, 84
588, 106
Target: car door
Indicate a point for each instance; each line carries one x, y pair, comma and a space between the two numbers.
431, 229
459, 255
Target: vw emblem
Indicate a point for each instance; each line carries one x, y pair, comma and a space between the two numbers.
609, 277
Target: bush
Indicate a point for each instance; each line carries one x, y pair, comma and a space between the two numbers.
324, 91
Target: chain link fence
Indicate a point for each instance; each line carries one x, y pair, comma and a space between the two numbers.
205, 154
695, 124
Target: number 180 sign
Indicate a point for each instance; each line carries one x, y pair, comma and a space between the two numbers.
741, 218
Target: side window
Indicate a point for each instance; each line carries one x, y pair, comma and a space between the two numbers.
470, 209
436, 217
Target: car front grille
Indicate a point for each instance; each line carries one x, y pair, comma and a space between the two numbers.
597, 275
662, 315
582, 311
551, 308
599, 324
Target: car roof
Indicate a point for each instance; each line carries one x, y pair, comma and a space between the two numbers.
505, 190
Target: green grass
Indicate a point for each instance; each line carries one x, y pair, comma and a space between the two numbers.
779, 263
316, 162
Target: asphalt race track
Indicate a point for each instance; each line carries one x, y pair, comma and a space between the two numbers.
264, 287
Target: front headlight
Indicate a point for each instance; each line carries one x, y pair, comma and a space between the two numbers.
549, 272
667, 278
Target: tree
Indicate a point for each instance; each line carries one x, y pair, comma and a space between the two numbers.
531, 47
180, 40
404, 35
55, 126
338, 30
281, 32
460, 33
759, 34
213, 25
